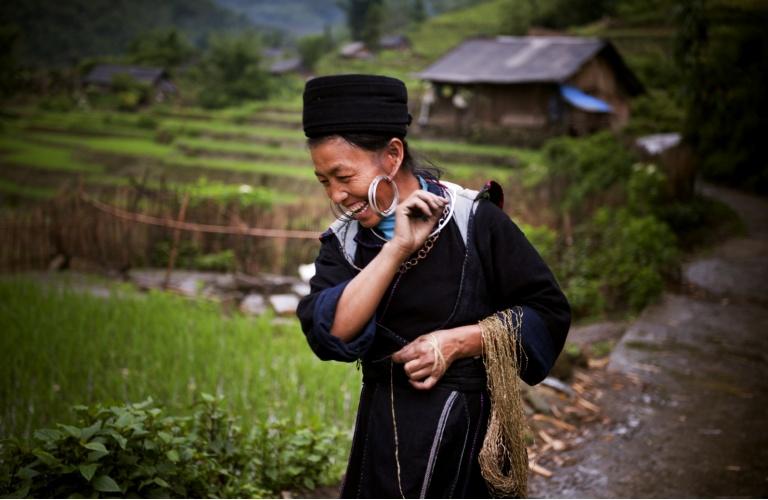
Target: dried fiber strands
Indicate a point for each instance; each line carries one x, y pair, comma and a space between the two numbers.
503, 457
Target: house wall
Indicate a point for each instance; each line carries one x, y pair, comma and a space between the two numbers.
520, 113
597, 78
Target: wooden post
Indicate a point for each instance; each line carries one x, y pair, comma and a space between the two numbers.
176, 237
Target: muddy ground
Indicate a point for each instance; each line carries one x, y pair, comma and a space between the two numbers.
685, 394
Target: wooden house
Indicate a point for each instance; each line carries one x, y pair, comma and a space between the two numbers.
103, 77
527, 89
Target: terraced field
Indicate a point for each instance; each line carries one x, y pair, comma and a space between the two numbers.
257, 156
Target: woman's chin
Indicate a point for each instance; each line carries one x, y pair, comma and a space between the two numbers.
367, 218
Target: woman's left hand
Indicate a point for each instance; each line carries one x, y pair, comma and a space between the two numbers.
427, 358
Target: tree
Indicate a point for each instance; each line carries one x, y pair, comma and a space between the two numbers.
372, 27
418, 12
722, 51
167, 48
230, 71
360, 21
312, 47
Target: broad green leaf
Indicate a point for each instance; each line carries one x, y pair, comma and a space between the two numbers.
105, 483
46, 457
165, 436
95, 456
207, 397
88, 432
124, 420
117, 437
96, 446
48, 435
162, 482
27, 473
172, 455
88, 471
71, 430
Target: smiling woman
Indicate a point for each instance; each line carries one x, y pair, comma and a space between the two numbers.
436, 291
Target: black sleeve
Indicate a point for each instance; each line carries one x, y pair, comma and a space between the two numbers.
317, 310
518, 276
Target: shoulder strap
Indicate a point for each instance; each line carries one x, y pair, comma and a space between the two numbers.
345, 232
465, 204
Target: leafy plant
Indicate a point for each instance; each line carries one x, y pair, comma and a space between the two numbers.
135, 450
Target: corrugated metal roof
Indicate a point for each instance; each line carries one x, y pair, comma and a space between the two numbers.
104, 73
508, 59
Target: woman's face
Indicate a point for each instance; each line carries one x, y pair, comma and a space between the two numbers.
346, 171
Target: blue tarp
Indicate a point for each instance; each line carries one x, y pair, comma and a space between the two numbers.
584, 101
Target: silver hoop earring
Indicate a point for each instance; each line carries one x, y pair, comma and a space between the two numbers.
341, 213
372, 196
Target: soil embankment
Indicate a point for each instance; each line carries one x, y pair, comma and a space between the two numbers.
694, 424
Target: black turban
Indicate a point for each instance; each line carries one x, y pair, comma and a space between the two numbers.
355, 103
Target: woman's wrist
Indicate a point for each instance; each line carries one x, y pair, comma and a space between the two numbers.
462, 342
396, 252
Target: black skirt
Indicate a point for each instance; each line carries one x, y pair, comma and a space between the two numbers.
439, 435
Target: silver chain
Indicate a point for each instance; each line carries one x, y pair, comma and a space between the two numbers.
427, 247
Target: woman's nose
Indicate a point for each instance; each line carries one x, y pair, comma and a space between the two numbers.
337, 195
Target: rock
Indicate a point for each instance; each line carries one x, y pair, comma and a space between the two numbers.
306, 272
187, 286
225, 282
284, 303
300, 289
253, 304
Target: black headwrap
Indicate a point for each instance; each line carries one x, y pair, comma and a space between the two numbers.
355, 103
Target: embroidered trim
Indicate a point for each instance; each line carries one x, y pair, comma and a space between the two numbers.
436, 442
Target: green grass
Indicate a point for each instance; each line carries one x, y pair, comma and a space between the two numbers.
442, 33
32, 192
62, 348
244, 148
254, 167
434, 145
21, 151
186, 127
133, 146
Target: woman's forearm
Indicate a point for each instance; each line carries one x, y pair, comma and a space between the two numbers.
362, 295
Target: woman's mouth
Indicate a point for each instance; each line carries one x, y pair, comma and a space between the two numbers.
356, 208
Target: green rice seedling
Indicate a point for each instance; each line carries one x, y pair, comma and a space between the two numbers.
184, 127
62, 347
21, 150
244, 148
31, 192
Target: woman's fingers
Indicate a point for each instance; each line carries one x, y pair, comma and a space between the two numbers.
425, 384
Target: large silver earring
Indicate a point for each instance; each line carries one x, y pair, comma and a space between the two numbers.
341, 213
372, 196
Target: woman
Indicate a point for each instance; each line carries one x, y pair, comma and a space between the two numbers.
404, 280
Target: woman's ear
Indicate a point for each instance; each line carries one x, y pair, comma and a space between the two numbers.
395, 154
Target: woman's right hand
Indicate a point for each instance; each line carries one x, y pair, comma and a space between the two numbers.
415, 219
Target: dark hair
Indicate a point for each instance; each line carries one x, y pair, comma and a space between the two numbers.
376, 143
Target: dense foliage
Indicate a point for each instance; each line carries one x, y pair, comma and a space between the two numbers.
620, 250
136, 450
231, 72
723, 52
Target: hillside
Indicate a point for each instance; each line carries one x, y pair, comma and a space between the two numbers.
61, 33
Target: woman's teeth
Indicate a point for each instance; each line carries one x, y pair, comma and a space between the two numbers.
357, 208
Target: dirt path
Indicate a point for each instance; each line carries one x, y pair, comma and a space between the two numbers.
696, 423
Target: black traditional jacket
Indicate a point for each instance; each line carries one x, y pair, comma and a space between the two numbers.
430, 447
